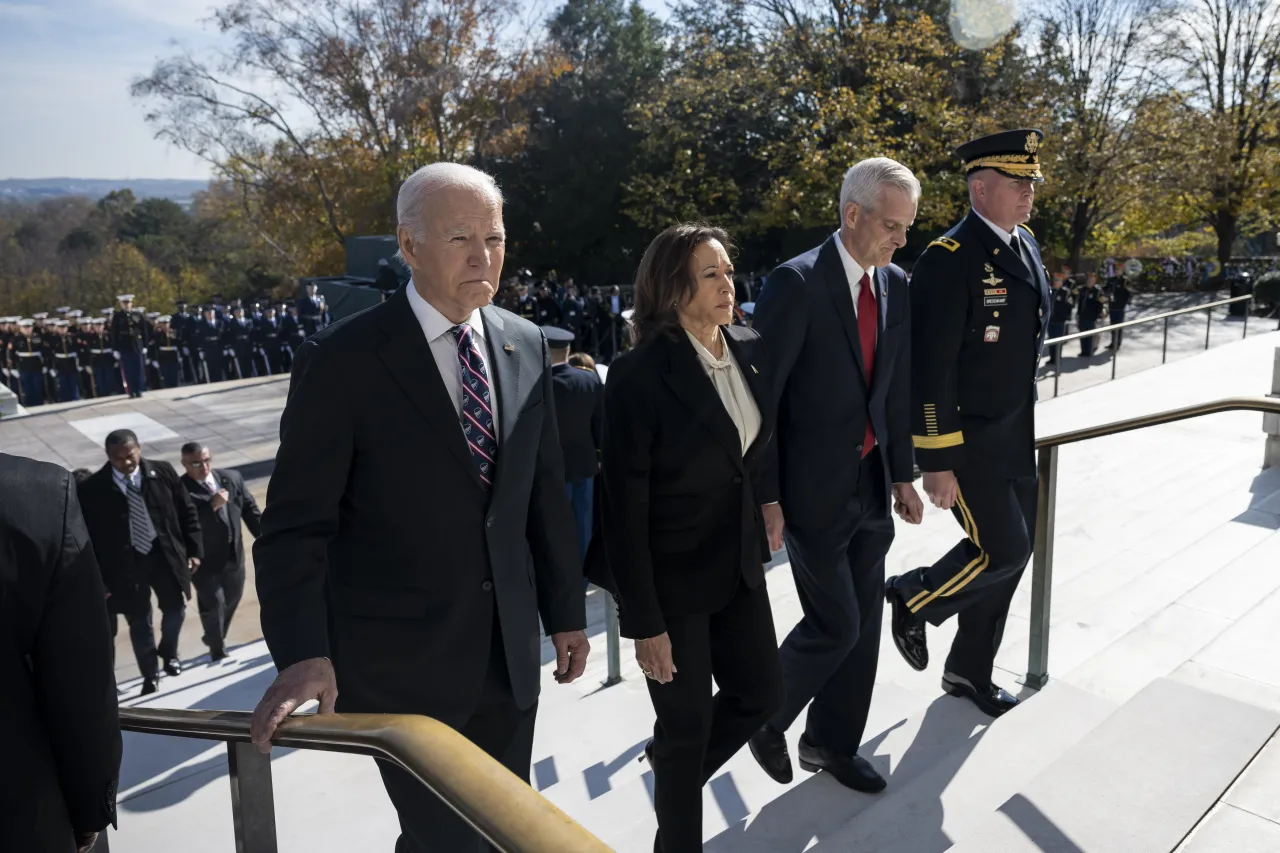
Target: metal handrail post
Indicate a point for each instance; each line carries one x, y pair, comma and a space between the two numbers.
1115, 356
613, 642
1208, 326
1042, 567
1164, 347
1247, 309
253, 809
1057, 367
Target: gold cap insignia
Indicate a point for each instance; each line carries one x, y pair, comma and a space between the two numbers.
1033, 143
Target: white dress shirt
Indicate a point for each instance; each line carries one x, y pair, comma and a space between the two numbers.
122, 481
1000, 232
444, 349
210, 483
726, 375
854, 272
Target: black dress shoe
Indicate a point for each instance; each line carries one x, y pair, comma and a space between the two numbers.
769, 746
908, 629
216, 655
852, 771
173, 666
148, 687
990, 699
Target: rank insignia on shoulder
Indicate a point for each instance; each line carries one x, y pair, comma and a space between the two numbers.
946, 243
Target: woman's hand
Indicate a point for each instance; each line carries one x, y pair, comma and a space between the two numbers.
654, 657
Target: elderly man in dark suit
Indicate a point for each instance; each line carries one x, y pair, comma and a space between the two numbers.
146, 533
60, 747
222, 502
416, 524
836, 322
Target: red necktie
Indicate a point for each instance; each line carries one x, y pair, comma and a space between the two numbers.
868, 324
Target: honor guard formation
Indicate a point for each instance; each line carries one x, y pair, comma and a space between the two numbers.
70, 354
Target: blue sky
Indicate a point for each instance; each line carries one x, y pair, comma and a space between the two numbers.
65, 70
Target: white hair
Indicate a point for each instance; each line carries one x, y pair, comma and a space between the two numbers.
416, 190
865, 180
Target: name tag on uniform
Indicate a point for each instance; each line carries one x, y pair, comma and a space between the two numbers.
991, 335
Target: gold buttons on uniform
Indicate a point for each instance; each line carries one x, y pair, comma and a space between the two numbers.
995, 313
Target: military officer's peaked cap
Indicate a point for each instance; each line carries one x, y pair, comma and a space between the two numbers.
125, 297
75, 313
1015, 153
557, 338
43, 315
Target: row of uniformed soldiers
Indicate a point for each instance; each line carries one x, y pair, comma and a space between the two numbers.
1088, 302
78, 356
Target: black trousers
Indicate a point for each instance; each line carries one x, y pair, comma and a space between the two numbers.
977, 578
1087, 344
1118, 335
832, 653
696, 732
134, 604
499, 728
218, 592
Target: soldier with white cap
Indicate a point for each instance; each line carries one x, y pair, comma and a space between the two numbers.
129, 341
30, 361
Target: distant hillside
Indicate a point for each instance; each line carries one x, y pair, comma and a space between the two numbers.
36, 189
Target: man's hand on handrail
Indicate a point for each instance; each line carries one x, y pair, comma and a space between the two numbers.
297, 685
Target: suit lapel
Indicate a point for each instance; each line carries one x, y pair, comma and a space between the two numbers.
407, 357
691, 385
743, 353
838, 286
503, 360
1039, 278
882, 302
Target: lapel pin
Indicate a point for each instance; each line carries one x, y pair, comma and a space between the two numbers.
995, 251
508, 348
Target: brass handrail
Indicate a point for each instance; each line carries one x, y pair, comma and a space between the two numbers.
497, 803
1046, 508
1229, 404
1208, 306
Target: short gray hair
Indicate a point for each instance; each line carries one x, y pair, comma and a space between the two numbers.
865, 179
419, 186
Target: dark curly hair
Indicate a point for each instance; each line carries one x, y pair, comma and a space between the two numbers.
663, 280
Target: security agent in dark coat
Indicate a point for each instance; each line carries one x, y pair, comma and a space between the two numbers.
223, 502
579, 397
840, 461
1061, 301
681, 525
60, 747
1091, 303
384, 549
140, 554
979, 309
1117, 294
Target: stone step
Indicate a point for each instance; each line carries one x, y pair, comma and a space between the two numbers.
1138, 783
960, 788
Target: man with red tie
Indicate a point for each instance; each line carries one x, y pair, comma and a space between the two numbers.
836, 323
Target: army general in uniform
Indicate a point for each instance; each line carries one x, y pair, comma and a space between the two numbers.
979, 306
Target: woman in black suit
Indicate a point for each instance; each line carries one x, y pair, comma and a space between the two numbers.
687, 418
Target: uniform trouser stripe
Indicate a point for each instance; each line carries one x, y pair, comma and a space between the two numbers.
968, 573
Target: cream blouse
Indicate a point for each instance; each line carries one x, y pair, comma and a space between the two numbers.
726, 375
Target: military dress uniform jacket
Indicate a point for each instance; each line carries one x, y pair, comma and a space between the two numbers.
128, 332
979, 317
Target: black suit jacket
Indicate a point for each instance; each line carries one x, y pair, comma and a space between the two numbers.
106, 512
805, 316
681, 523
579, 396
381, 549
221, 549
59, 728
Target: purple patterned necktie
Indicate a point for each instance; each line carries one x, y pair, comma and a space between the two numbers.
477, 408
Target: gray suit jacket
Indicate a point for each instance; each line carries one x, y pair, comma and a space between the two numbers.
381, 549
